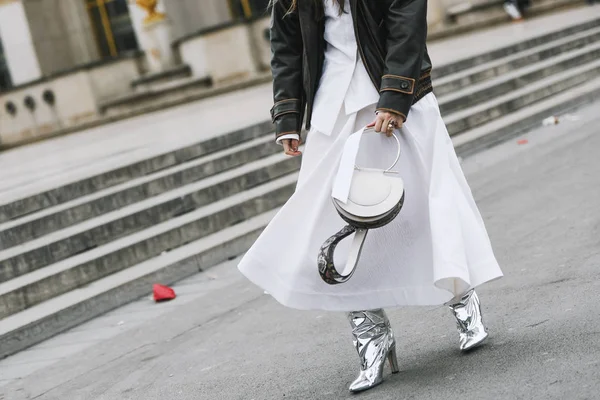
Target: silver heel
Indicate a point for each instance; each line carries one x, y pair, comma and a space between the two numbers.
374, 342
393, 359
469, 321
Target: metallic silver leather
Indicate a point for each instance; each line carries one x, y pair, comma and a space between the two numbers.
374, 342
469, 321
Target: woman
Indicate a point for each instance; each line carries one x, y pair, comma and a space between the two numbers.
351, 63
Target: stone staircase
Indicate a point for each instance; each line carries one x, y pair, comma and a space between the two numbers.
469, 15
77, 251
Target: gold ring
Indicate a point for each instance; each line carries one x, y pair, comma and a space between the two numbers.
391, 126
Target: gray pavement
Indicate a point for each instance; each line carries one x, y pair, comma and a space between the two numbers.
225, 339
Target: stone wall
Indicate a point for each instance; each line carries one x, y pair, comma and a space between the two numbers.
68, 100
61, 32
190, 16
234, 51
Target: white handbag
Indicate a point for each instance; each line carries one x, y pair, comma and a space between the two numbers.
374, 199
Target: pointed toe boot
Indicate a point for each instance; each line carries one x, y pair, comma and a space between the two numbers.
469, 321
374, 342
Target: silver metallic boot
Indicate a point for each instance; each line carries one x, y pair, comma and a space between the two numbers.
374, 342
469, 321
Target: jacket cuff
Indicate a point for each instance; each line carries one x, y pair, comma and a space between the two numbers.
283, 107
395, 102
396, 83
396, 94
286, 124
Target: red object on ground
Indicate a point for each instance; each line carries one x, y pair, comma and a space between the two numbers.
523, 141
163, 293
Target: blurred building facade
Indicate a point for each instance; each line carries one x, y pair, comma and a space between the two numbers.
70, 64
42, 37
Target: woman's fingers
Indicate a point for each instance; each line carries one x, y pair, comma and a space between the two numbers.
382, 123
389, 125
378, 123
290, 147
295, 144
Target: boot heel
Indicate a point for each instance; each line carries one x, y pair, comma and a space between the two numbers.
393, 359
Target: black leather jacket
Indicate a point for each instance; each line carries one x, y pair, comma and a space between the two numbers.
391, 38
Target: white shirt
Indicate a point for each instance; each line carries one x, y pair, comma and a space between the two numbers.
344, 81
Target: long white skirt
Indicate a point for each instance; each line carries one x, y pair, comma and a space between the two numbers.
437, 248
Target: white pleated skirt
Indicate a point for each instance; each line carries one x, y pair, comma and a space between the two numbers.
437, 248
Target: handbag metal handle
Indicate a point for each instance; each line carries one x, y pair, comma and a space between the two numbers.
389, 170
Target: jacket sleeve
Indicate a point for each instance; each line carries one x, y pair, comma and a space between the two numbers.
286, 66
406, 23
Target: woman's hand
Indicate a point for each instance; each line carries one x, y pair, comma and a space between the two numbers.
386, 122
290, 147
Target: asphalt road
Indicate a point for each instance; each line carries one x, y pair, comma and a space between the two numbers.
541, 202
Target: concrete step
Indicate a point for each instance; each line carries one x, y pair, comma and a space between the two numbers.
465, 9
47, 319
464, 120
483, 14
490, 20
525, 119
497, 16
95, 232
74, 190
43, 284
67, 214
470, 62
157, 80
478, 93
174, 94
455, 82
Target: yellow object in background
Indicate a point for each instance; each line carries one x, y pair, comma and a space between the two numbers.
150, 7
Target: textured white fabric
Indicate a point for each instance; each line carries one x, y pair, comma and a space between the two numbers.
345, 80
435, 249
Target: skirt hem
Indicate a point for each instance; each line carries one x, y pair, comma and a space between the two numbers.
429, 295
